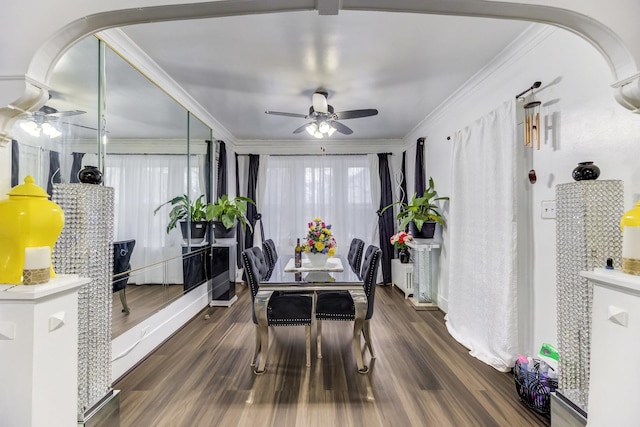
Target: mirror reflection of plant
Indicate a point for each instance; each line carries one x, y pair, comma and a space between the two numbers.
420, 209
230, 211
183, 210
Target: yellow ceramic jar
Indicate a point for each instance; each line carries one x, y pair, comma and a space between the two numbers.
630, 225
27, 219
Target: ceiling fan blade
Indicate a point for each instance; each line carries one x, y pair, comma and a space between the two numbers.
80, 126
319, 102
355, 114
301, 128
66, 113
279, 113
341, 128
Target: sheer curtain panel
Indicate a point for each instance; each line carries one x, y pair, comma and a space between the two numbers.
482, 246
335, 188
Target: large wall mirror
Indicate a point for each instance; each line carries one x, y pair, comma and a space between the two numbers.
152, 150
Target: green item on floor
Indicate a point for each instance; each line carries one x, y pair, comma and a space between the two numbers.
549, 351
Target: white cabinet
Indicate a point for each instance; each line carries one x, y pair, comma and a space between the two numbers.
615, 348
402, 276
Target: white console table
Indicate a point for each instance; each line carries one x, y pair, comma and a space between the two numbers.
615, 348
39, 353
402, 276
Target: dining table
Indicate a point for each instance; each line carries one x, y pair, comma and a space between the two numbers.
333, 276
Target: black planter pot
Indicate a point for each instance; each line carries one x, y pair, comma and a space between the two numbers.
90, 175
427, 232
221, 232
404, 255
198, 231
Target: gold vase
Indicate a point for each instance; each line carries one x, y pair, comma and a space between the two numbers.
28, 219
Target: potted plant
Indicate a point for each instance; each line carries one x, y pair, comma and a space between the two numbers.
184, 210
421, 213
226, 213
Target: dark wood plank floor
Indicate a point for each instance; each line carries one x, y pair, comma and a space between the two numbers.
421, 376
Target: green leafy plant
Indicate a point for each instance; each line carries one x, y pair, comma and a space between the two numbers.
420, 209
230, 211
183, 210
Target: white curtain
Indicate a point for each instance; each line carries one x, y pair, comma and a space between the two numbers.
142, 183
482, 247
335, 188
374, 182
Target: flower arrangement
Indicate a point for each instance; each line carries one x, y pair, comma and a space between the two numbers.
319, 239
399, 240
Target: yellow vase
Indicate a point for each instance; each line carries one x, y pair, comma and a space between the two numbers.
27, 219
630, 225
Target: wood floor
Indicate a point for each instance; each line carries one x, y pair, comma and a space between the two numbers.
421, 376
143, 301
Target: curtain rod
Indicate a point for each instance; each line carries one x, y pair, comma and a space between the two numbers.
322, 154
535, 85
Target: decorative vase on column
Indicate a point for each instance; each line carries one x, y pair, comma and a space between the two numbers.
90, 175
586, 171
404, 255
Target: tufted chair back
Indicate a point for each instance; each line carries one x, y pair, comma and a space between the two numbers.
369, 274
355, 255
270, 253
255, 267
122, 251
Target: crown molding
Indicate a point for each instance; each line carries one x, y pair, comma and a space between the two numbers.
515, 51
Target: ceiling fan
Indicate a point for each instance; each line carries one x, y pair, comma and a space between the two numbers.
44, 121
324, 118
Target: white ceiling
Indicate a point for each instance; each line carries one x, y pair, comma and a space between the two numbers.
402, 64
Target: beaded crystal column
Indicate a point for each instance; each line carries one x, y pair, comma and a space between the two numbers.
85, 247
587, 233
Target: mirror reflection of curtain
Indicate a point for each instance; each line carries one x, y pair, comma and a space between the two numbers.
221, 183
336, 188
142, 183
54, 171
15, 163
75, 167
419, 183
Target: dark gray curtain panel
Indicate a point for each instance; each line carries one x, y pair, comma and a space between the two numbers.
75, 167
54, 171
221, 184
419, 173
385, 220
252, 211
15, 163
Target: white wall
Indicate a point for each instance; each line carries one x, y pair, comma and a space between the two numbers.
582, 122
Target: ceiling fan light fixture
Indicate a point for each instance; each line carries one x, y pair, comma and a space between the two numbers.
319, 135
324, 127
50, 130
312, 129
331, 131
31, 128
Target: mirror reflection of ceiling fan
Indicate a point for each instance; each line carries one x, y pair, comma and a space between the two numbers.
324, 121
45, 121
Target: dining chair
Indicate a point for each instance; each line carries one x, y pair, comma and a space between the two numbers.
270, 256
282, 309
340, 305
122, 251
355, 255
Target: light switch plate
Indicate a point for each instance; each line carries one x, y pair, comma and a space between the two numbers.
548, 209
